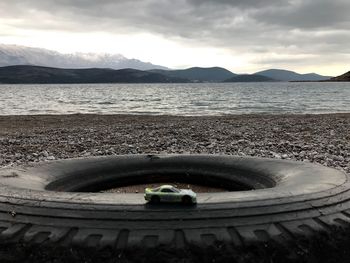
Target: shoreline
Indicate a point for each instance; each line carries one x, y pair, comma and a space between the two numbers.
320, 138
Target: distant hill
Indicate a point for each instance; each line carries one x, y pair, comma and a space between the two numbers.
249, 78
286, 75
11, 55
42, 75
344, 77
197, 74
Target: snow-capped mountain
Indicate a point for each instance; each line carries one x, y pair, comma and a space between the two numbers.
21, 55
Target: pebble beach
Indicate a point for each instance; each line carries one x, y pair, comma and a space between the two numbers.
323, 139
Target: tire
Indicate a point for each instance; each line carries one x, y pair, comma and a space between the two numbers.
186, 200
41, 202
155, 199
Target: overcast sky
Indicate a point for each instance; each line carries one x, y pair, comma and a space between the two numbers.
241, 35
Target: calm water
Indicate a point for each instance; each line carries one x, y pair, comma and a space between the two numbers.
176, 99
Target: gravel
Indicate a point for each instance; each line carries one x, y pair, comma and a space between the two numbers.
323, 139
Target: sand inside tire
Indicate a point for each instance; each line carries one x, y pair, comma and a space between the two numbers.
140, 188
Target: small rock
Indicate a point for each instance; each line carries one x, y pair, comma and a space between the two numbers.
276, 155
319, 156
284, 156
338, 158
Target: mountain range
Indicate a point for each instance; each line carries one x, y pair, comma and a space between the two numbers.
56, 66
197, 74
44, 75
11, 55
286, 75
217, 74
344, 77
250, 78
27, 74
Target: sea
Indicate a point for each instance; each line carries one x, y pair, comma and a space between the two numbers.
192, 99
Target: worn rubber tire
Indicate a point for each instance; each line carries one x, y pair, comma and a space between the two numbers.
186, 200
155, 200
36, 207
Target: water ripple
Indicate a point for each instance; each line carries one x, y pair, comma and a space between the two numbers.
176, 99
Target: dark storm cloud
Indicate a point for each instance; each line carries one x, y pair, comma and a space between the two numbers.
173, 16
250, 4
309, 14
248, 26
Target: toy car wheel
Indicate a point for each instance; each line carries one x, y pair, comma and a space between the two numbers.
186, 200
155, 199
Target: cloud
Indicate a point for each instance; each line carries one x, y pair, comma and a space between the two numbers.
308, 14
191, 18
252, 27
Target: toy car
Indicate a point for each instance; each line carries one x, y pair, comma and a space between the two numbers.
169, 193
